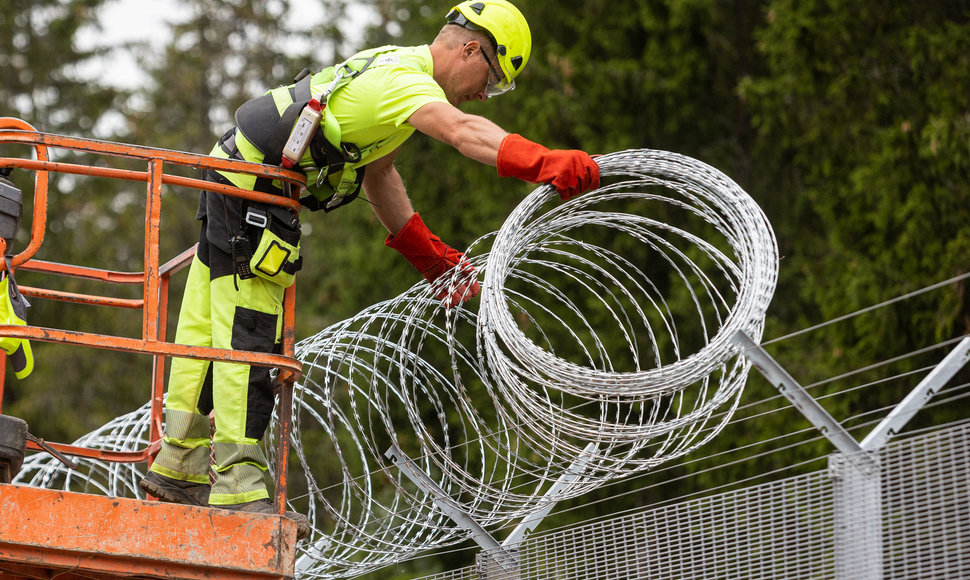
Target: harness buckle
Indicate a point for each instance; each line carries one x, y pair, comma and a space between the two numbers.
257, 218
351, 152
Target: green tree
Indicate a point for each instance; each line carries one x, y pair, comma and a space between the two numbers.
40, 64
41, 83
847, 122
864, 131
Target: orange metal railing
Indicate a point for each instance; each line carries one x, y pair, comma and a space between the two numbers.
155, 277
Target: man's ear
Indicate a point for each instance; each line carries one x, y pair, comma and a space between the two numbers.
470, 48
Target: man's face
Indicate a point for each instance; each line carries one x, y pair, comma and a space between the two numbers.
475, 75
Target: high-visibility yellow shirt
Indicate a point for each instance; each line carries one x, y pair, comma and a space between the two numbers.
372, 109
376, 105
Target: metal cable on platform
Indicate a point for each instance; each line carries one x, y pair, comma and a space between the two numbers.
605, 320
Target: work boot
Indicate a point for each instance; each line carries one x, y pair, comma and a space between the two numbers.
265, 506
175, 491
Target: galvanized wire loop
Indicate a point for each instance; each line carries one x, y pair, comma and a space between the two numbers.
604, 320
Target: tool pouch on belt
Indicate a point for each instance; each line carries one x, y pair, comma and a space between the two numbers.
276, 237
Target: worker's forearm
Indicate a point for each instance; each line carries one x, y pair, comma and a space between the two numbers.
474, 136
478, 138
385, 190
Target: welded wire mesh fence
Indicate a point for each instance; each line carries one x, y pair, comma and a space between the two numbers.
781, 529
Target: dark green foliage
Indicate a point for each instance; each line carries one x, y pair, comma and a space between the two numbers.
70, 391
847, 122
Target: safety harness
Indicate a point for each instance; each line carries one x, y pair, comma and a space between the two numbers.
265, 124
268, 243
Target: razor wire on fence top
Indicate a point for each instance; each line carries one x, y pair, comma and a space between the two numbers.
601, 338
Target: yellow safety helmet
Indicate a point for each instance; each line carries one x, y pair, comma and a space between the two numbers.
508, 30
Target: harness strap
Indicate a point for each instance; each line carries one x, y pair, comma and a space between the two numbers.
293, 267
274, 148
228, 144
329, 153
314, 203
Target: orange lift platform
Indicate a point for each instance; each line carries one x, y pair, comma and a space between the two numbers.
69, 535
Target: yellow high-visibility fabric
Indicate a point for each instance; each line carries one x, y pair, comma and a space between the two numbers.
18, 349
371, 110
213, 314
376, 105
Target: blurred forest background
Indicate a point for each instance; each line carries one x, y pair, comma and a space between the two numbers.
848, 122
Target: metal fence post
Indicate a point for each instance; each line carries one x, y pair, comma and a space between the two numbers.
857, 519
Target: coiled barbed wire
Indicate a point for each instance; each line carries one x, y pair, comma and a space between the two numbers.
602, 332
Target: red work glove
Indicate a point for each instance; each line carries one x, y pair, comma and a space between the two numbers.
570, 171
430, 256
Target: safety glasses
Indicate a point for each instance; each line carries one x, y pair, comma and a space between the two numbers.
497, 84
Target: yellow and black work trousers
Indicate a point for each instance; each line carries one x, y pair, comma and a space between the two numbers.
221, 310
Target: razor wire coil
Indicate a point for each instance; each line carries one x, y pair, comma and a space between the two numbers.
603, 327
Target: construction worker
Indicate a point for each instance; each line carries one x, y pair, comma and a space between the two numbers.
367, 108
